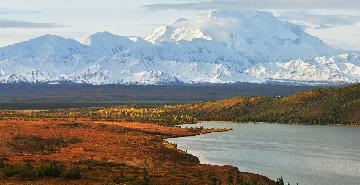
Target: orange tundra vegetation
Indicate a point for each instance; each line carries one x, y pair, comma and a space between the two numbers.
81, 151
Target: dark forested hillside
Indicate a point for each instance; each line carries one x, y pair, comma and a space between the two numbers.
327, 105
331, 105
336, 105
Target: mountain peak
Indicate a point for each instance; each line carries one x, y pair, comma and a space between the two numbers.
106, 43
239, 14
212, 13
251, 32
100, 36
220, 47
46, 45
50, 37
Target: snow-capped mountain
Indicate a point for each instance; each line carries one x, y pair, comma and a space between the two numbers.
221, 47
257, 35
341, 68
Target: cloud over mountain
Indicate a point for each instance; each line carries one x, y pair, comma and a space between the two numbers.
220, 47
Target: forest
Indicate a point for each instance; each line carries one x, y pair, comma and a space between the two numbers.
331, 105
326, 105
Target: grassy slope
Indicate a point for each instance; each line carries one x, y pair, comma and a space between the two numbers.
337, 105
98, 153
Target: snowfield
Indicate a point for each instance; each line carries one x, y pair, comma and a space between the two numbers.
221, 47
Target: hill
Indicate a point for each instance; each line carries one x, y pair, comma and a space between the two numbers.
330, 105
326, 105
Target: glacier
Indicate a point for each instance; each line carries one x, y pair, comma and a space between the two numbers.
219, 47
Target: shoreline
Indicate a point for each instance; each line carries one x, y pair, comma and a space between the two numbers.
201, 152
208, 131
269, 123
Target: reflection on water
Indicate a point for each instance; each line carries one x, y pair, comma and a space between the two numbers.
310, 155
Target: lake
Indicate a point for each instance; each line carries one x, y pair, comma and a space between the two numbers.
309, 155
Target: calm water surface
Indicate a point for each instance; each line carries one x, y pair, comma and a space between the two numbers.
309, 155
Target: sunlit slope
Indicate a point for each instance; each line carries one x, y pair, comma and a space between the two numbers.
331, 105
339, 105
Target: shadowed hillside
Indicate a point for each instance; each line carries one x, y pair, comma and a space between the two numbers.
42, 96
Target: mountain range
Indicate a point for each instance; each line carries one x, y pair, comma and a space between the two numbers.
219, 47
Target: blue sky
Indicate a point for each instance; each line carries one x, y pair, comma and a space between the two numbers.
336, 22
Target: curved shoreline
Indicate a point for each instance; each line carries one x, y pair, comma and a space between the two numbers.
285, 147
218, 130
303, 124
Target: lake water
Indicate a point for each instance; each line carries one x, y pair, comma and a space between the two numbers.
309, 155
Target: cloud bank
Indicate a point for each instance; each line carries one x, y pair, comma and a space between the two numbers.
301, 10
322, 21
8, 11
257, 4
5, 23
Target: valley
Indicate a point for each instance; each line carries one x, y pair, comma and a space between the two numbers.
210, 92
126, 144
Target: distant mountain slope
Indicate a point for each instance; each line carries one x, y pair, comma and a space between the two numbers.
339, 105
257, 35
341, 68
221, 47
